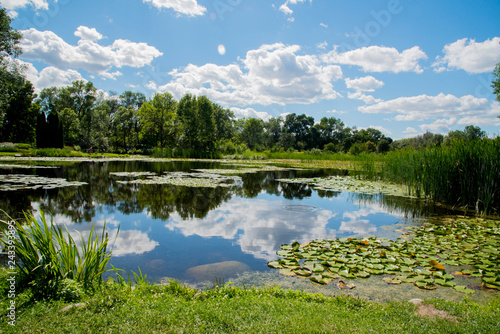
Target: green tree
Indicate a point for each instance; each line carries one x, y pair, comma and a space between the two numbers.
124, 127
157, 117
187, 112
273, 133
10, 73
224, 119
253, 133
71, 126
21, 115
207, 128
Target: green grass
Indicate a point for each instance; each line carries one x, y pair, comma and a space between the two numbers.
175, 308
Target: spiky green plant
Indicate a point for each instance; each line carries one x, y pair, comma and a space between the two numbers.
49, 257
465, 173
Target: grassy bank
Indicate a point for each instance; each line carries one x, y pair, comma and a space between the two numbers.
175, 308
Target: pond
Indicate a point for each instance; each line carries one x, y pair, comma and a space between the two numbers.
206, 221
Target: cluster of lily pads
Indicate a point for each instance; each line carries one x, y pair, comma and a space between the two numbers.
200, 179
211, 178
245, 169
351, 184
424, 256
13, 182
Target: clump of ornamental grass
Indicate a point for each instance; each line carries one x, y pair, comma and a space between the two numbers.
51, 263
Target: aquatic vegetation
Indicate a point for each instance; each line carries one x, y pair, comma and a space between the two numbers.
245, 169
465, 173
351, 184
13, 182
422, 256
188, 180
50, 261
10, 166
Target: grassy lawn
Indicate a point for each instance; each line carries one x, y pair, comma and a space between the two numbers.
175, 308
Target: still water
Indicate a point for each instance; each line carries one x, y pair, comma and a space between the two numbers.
197, 234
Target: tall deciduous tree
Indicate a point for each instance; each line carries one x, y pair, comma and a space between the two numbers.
157, 120
253, 133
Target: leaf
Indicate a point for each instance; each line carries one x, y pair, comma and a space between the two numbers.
343, 285
287, 272
437, 266
463, 288
302, 272
274, 265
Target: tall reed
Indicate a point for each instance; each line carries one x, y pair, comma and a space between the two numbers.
464, 173
48, 256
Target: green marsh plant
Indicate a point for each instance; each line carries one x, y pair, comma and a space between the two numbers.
465, 173
52, 263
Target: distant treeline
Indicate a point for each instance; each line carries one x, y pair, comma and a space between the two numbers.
79, 116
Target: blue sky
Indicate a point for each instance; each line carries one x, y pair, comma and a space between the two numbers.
401, 66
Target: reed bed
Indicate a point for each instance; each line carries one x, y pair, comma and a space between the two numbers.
465, 173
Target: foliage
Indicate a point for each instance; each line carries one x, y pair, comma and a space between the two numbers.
51, 263
465, 172
419, 258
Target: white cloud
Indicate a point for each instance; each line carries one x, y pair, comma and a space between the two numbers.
356, 225
368, 99
322, 45
89, 34
466, 109
14, 4
271, 74
49, 76
287, 11
258, 226
410, 130
365, 84
439, 126
249, 112
323, 25
379, 59
470, 56
333, 111
381, 129
186, 7
47, 47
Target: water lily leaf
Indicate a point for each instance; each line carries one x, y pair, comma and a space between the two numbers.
451, 263
274, 265
287, 272
302, 272
362, 274
295, 246
437, 266
391, 280
424, 285
284, 253
343, 285
391, 267
463, 288
317, 268
424, 272
445, 283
